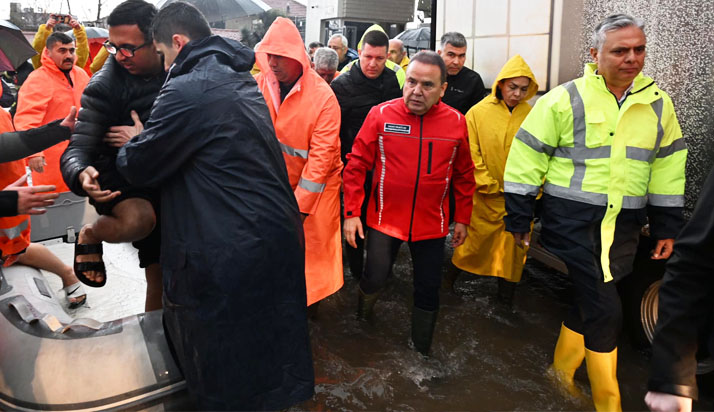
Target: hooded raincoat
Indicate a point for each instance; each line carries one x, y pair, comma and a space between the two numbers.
48, 95
489, 249
231, 237
307, 124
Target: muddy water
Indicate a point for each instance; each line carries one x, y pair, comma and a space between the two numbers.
484, 357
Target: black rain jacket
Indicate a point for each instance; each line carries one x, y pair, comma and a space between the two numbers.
232, 250
686, 302
357, 95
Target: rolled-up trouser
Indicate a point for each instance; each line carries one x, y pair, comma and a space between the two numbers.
427, 259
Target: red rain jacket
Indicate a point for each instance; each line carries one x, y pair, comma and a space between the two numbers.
414, 160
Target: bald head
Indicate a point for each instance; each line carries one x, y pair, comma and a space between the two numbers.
396, 50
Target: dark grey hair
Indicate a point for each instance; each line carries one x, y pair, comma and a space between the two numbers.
325, 58
341, 37
455, 39
432, 58
614, 22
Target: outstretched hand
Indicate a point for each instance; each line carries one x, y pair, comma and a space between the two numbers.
90, 183
118, 136
70, 119
30, 198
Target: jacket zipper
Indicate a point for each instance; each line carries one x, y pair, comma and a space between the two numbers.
416, 184
428, 163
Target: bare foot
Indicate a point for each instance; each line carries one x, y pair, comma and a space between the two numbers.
86, 237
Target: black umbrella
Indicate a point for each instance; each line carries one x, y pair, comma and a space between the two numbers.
14, 47
221, 10
416, 38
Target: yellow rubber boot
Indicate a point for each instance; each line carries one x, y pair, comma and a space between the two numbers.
569, 355
602, 372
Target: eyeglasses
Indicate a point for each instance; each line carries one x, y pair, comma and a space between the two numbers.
126, 51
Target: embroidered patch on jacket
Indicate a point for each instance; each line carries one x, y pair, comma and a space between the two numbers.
397, 128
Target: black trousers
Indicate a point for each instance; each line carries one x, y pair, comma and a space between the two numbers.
427, 260
571, 231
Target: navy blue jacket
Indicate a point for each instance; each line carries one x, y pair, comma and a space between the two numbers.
232, 250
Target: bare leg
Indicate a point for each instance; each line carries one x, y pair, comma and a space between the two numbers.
131, 220
154, 288
38, 256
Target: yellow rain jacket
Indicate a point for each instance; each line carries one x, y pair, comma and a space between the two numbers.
489, 249
81, 42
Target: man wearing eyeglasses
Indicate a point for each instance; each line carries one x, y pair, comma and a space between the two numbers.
120, 94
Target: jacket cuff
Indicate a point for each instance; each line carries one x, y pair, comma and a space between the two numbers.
674, 389
8, 203
519, 212
352, 213
665, 222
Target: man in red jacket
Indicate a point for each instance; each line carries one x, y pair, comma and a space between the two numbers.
416, 145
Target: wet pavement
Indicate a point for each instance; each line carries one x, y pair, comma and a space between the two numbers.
484, 357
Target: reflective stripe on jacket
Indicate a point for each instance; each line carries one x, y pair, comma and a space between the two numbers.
46, 96
307, 125
591, 150
14, 230
415, 159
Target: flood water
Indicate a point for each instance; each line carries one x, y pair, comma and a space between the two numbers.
483, 357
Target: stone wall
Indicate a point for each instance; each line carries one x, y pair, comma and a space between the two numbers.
680, 57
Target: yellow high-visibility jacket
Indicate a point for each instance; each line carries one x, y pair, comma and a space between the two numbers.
591, 150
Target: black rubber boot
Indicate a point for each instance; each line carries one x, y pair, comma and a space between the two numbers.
365, 304
423, 322
506, 291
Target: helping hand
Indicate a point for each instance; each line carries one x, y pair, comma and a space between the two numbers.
30, 198
37, 164
90, 184
70, 119
118, 136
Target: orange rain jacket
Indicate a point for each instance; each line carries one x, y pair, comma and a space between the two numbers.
46, 96
14, 230
307, 124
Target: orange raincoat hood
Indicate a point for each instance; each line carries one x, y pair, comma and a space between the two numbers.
282, 39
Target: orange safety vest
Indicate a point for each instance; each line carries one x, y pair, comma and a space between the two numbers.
14, 230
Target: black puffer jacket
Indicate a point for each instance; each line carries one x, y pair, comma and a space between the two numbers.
232, 251
357, 95
108, 100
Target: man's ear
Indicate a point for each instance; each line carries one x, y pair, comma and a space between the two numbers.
178, 41
439, 52
594, 54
